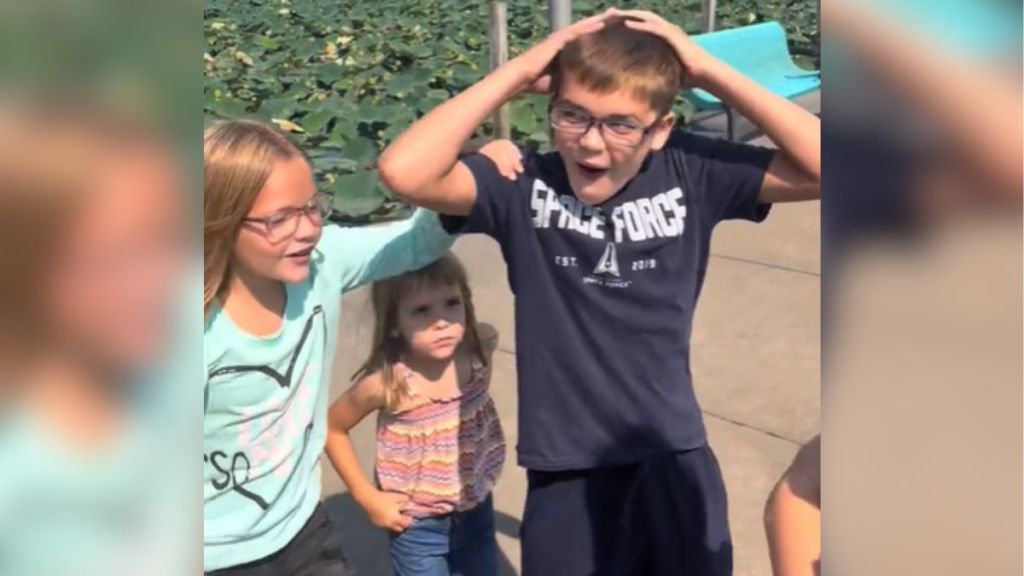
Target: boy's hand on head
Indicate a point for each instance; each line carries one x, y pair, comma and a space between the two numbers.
506, 156
698, 64
535, 62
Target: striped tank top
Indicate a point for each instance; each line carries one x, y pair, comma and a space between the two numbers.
445, 454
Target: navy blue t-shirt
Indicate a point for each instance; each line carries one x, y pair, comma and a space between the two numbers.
605, 295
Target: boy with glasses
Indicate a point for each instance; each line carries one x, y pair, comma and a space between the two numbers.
606, 242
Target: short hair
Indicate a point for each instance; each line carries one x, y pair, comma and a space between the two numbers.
620, 58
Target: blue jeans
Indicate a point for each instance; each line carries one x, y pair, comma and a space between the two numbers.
457, 544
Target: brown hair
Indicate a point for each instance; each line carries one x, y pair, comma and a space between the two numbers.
619, 58
238, 157
386, 295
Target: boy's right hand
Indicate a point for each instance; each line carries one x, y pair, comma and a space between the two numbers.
534, 63
385, 510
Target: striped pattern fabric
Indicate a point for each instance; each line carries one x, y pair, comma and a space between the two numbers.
446, 454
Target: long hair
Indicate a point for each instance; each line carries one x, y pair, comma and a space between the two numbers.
386, 295
238, 157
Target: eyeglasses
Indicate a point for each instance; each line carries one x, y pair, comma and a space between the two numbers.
284, 223
621, 133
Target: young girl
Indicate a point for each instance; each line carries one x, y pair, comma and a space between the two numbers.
274, 275
440, 446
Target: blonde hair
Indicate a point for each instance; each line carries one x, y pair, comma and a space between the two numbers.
386, 296
238, 157
621, 58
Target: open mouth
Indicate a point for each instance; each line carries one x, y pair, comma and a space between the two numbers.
300, 254
591, 171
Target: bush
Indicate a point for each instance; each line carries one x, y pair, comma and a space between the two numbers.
345, 77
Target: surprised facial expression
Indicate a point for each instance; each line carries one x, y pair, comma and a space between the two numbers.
603, 139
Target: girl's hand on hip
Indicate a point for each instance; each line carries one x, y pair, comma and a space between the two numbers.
385, 510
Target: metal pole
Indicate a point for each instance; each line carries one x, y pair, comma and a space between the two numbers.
559, 13
499, 55
707, 16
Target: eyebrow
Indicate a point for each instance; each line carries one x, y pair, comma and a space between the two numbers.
289, 208
612, 117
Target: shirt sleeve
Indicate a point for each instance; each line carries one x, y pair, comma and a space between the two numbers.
725, 176
359, 256
495, 195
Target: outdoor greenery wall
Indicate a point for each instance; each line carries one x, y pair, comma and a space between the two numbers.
344, 77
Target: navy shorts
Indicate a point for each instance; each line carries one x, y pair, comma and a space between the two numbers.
666, 515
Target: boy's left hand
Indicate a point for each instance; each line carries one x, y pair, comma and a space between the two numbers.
698, 64
506, 156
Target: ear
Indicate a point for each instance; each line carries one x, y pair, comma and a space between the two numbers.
662, 131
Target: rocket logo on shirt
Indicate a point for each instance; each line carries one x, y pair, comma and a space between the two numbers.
643, 219
290, 408
609, 262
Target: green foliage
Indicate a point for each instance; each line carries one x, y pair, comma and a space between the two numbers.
345, 77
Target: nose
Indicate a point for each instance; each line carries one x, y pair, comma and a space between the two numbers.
309, 226
592, 140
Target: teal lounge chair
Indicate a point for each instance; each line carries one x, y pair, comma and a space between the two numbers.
760, 52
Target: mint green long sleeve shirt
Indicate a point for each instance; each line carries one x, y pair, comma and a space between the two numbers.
265, 405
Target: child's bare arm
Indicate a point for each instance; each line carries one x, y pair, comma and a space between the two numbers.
365, 397
793, 175
793, 515
421, 165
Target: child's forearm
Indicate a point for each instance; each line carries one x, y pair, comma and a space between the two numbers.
794, 130
793, 530
343, 456
426, 152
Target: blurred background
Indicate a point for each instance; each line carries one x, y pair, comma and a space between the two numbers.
921, 221
100, 353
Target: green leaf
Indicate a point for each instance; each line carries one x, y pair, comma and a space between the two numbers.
327, 74
269, 44
314, 122
422, 51
524, 118
230, 108
357, 194
423, 75
278, 108
404, 84
360, 150
332, 162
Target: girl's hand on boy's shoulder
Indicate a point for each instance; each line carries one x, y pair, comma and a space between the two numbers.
698, 64
506, 156
385, 510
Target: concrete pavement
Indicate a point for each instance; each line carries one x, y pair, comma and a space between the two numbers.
756, 371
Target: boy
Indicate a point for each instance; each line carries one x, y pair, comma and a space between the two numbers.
606, 243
